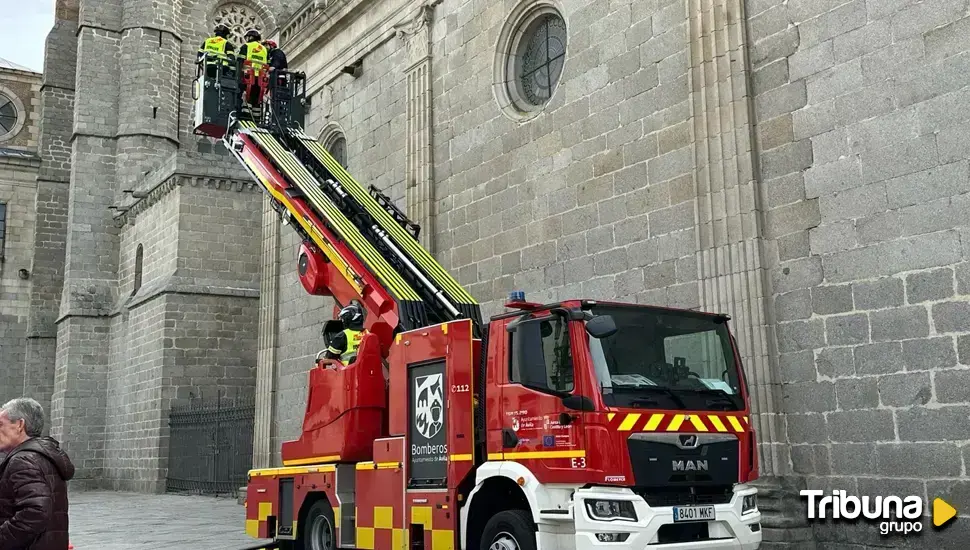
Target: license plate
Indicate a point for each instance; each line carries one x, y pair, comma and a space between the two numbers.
693, 513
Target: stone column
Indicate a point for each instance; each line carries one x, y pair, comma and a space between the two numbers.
78, 404
268, 331
53, 185
730, 255
416, 35
730, 247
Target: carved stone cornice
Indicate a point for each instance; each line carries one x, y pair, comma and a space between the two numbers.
416, 33
177, 284
179, 180
302, 18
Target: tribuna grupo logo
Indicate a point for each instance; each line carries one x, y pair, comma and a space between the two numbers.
895, 514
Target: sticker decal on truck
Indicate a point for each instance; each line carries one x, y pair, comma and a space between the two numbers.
427, 433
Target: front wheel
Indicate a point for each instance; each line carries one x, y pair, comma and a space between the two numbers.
318, 530
509, 530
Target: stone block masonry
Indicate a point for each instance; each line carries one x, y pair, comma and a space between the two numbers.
165, 351
19, 164
51, 202
17, 189
116, 108
188, 331
868, 301
593, 199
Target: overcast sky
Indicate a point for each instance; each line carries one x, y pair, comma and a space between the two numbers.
23, 29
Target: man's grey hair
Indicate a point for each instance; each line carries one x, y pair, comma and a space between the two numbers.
28, 410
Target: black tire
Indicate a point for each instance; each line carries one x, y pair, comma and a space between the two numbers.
318, 523
509, 530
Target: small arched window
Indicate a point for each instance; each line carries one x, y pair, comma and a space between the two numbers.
139, 261
337, 147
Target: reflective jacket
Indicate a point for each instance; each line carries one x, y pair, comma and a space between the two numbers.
345, 344
255, 53
216, 47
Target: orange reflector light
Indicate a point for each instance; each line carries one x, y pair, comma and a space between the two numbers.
521, 481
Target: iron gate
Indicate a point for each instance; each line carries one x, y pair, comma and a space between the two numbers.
210, 445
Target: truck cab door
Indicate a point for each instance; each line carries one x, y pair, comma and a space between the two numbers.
542, 401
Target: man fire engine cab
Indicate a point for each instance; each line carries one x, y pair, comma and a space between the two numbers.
344, 344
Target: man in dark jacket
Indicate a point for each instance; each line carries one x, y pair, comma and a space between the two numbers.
33, 481
277, 57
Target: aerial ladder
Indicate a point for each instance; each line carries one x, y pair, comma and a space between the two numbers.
568, 425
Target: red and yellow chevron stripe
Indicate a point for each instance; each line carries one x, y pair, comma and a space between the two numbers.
668, 422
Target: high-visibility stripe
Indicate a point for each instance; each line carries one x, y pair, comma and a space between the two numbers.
313, 460
417, 252
698, 423
675, 422
654, 421
524, 455
383, 517
347, 231
629, 422
461, 458
383, 522
378, 465
312, 231
365, 538
304, 181
716, 421
275, 472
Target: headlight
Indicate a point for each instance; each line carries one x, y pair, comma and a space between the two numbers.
749, 504
609, 510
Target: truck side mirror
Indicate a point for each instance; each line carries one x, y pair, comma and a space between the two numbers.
601, 326
578, 403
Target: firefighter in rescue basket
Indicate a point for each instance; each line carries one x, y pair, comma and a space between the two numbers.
344, 344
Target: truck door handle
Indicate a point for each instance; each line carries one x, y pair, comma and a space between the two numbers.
509, 439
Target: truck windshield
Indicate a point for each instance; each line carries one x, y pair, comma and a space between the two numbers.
662, 359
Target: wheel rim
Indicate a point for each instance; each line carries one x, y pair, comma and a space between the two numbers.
504, 541
321, 534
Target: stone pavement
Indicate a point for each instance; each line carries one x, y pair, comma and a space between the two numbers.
128, 521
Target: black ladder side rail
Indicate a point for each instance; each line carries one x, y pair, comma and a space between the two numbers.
465, 303
412, 315
385, 202
438, 306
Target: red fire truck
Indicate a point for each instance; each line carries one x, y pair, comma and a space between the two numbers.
575, 425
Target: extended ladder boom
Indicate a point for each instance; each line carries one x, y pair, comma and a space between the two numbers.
446, 299
364, 246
